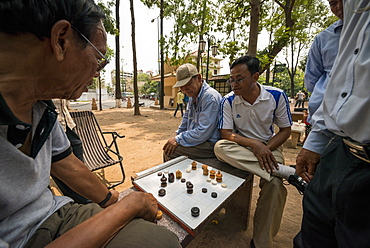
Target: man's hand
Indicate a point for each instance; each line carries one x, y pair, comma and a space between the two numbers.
307, 162
170, 146
144, 205
264, 156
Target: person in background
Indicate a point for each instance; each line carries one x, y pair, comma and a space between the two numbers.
53, 49
198, 131
335, 158
179, 103
299, 97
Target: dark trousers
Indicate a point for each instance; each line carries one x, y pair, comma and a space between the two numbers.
336, 202
299, 104
76, 144
179, 105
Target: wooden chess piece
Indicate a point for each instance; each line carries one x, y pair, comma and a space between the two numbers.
219, 177
163, 181
189, 187
212, 174
159, 215
205, 170
171, 178
194, 165
178, 174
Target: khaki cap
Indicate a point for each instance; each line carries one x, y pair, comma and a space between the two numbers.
184, 73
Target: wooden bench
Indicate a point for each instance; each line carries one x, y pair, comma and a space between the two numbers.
297, 132
296, 116
237, 207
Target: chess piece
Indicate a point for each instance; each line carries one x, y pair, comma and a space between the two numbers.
214, 195
205, 170
189, 187
159, 215
212, 174
195, 211
204, 190
178, 174
194, 165
219, 177
162, 192
171, 177
163, 181
159, 174
183, 180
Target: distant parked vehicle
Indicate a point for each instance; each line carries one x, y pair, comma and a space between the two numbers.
152, 96
125, 95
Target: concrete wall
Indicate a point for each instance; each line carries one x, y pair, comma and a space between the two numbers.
94, 93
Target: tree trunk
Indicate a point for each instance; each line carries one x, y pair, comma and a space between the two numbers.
118, 74
136, 91
253, 34
279, 44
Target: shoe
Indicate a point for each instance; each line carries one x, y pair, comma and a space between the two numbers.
298, 182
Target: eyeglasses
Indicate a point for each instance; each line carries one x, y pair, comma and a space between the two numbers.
103, 61
237, 81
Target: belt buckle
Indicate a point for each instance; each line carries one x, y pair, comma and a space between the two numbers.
358, 150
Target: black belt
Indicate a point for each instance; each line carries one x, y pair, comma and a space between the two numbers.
361, 151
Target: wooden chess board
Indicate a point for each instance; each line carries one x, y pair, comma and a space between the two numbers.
177, 202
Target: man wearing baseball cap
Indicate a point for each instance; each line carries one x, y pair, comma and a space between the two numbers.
198, 131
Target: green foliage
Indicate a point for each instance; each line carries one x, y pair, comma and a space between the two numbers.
191, 18
110, 22
143, 77
149, 87
291, 23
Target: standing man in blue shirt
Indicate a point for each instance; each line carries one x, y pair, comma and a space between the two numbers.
335, 159
321, 56
198, 131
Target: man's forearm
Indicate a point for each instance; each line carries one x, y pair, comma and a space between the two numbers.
243, 141
98, 230
279, 138
79, 178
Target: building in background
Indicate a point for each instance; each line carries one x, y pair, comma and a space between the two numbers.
170, 74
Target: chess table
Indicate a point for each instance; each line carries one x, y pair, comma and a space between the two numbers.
177, 203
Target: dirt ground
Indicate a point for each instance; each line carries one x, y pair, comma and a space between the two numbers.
141, 149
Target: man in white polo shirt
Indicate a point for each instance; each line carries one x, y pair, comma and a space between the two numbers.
249, 143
